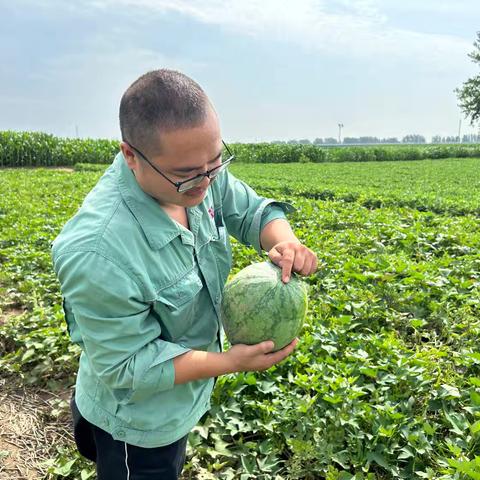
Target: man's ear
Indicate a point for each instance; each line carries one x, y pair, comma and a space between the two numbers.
129, 156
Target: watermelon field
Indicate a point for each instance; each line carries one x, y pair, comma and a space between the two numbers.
385, 382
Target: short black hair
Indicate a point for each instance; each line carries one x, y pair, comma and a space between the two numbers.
160, 101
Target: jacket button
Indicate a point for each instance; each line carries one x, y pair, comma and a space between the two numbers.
121, 433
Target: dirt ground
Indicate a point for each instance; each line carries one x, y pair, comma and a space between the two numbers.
11, 311
28, 430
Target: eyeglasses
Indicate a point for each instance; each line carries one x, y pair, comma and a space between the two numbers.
190, 182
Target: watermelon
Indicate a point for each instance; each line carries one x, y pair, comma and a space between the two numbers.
258, 306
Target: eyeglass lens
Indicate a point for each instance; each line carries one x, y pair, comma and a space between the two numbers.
197, 181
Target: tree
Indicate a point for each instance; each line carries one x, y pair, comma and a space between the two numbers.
369, 140
469, 94
413, 138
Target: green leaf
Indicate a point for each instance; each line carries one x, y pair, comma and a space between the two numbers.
333, 399
86, 474
475, 398
28, 354
475, 428
449, 391
467, 467
65, 469
248, 463
379, 459
457, 426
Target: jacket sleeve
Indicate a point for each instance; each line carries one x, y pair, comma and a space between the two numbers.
118, 336
246, 213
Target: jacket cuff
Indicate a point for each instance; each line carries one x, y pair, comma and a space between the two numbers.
269, 210
160, 374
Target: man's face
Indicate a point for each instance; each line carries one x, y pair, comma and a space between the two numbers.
184, 154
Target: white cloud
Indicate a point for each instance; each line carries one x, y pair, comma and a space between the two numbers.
404, 72
358, 29
336, 27
442, 7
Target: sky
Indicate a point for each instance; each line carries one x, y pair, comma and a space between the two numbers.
274, 69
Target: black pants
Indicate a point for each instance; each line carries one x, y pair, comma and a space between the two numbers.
118, 460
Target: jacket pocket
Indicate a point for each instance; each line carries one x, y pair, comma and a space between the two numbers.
222, 252
176, 306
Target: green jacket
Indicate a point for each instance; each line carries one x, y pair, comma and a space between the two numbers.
140, 289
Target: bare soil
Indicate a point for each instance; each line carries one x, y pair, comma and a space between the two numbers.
28, 430
11, 311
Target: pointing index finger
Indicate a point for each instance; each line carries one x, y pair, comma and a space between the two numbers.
287, 263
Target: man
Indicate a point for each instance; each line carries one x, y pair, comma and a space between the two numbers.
142, 266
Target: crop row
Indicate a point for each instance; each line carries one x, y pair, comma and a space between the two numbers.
450, 186
22, 149
444, 186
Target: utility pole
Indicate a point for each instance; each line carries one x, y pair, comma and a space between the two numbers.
340, 126
459, 131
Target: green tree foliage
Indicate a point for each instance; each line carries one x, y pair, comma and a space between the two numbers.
413, 138
469, 93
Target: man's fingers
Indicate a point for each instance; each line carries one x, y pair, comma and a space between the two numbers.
306, 267
277, 357
287, 263
275, 256
265, 347
310, 266
299, 262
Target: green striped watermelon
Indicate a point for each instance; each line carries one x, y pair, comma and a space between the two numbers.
258, 306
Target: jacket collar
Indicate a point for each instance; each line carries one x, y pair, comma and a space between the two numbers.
158, 227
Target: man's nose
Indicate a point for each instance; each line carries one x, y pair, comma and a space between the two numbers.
205, 182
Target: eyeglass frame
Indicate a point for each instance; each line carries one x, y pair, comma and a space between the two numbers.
200, 175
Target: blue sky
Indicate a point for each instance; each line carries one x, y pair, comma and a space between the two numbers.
275, 70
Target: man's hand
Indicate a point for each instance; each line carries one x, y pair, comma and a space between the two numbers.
293, 256
255, 358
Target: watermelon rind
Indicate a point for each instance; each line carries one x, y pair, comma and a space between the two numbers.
258, 306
